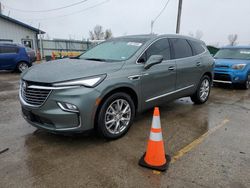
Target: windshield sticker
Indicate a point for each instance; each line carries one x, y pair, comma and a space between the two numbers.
134, 44
245, 52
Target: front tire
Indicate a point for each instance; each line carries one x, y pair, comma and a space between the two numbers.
202, 93
246, 84
116, 116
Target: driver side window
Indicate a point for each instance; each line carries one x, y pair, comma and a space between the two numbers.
160, 47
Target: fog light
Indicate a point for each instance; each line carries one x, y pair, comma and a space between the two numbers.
236, 78
68, 107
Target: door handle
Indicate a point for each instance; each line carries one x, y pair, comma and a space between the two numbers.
171, 68
198, 64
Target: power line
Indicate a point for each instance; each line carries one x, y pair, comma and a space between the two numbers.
47, 10
65, 15
160, 13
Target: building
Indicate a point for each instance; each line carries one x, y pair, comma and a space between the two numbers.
12, 30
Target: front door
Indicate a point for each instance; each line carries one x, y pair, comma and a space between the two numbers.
8, 55
158, 81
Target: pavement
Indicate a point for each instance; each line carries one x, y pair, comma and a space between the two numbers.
209, 145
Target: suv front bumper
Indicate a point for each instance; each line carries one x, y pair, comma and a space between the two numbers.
51, 117
229, 76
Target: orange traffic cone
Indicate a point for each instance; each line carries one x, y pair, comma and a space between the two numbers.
155, 157
53, 56
38, 56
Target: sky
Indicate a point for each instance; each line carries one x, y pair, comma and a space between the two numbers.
216, 19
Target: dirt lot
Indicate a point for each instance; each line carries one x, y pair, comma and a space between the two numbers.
215, 138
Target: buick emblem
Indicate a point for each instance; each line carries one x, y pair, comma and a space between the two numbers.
24, 85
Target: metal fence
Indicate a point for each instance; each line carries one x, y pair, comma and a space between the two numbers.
63, 46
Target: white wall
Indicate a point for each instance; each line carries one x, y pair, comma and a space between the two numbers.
9, 30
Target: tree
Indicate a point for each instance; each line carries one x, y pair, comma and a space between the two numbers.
198, 34
232, 39
108, 34
99, 34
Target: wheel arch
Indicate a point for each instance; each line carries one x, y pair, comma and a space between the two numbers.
209, 74
125, 89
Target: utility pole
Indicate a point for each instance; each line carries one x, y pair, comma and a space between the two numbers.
41, 45
1, 8
152, 26
179, 17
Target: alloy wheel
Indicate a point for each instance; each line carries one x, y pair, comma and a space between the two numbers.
22, 66
117, 116
204, 89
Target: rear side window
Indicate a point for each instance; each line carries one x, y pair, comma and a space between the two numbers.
160, 47
181, 48
197, 47
8, 50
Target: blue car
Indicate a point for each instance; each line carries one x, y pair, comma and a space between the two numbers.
232, 66
14, 57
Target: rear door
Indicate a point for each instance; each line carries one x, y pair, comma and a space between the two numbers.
188, 72
8, 55
160, 79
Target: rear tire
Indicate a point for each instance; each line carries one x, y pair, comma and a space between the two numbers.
202, 93
116, 115
21, 66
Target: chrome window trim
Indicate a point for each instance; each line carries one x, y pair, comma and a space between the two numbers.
205, 50
169, 93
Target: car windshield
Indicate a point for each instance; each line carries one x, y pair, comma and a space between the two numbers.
233, 53
113, 50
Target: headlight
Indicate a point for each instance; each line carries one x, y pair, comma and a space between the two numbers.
238, 66
87, 82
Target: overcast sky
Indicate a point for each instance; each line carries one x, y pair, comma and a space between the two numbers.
215, 18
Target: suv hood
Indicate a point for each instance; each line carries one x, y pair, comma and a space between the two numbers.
68, 69
230, 62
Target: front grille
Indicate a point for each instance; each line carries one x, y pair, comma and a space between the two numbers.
223, 77
34, 96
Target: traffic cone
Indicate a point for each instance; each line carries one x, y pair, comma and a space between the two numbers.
155, 157
38, 56
53, 56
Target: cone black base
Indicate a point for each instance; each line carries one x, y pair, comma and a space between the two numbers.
160, 168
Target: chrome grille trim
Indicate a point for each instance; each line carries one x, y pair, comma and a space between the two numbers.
34, 97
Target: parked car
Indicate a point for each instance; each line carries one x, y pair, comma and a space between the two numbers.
31, 53
13, 57
107, 85
232, 66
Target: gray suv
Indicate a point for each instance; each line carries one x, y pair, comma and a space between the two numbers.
106, 86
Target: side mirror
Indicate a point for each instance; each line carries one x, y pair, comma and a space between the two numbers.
153, 60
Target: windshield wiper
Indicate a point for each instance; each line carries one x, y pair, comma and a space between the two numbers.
95, 59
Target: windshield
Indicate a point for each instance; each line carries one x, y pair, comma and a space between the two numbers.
113, 50
233, 53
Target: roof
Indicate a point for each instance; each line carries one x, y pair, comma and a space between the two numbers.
155, 36
21, 24
237, 47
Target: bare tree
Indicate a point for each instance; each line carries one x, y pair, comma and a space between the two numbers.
198, 34
97, 33
232, 39
191, 34
108, 34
